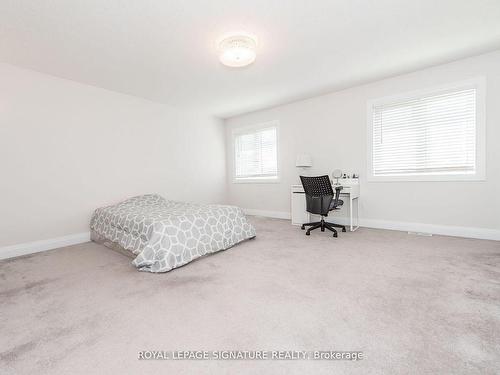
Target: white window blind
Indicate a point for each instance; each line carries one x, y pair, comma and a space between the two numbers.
256, 154
430, 135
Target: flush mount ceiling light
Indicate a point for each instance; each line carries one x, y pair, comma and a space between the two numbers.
237, 49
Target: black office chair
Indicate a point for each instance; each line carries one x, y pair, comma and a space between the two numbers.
320, 200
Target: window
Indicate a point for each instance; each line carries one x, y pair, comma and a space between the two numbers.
256, 153
433, 135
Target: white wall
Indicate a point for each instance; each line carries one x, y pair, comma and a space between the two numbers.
332, 128
67, 148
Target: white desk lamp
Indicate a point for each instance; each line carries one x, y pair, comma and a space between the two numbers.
303, 161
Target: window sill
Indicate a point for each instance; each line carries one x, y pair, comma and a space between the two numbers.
428, 178
269, 180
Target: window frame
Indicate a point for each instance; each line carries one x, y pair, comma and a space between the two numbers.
479, 83
248, 130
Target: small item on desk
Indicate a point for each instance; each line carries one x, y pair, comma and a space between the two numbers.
350, 179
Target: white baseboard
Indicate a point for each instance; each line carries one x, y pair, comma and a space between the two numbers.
273, 214
445, 230
43, 245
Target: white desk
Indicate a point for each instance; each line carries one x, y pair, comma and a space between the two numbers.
300, 216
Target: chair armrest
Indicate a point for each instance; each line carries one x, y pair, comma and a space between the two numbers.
337, 195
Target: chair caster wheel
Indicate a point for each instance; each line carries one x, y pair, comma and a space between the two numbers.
322, 229
308, 233
335, 235
302, 227
343, 229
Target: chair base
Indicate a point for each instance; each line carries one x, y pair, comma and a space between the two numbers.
322, 224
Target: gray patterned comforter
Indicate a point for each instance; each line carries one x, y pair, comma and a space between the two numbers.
166, 234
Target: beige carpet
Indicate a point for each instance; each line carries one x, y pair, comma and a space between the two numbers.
413, 305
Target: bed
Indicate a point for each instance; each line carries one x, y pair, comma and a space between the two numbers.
161, 234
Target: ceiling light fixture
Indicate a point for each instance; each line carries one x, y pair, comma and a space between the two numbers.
237, 49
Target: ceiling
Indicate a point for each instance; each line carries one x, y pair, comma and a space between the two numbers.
165, 50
